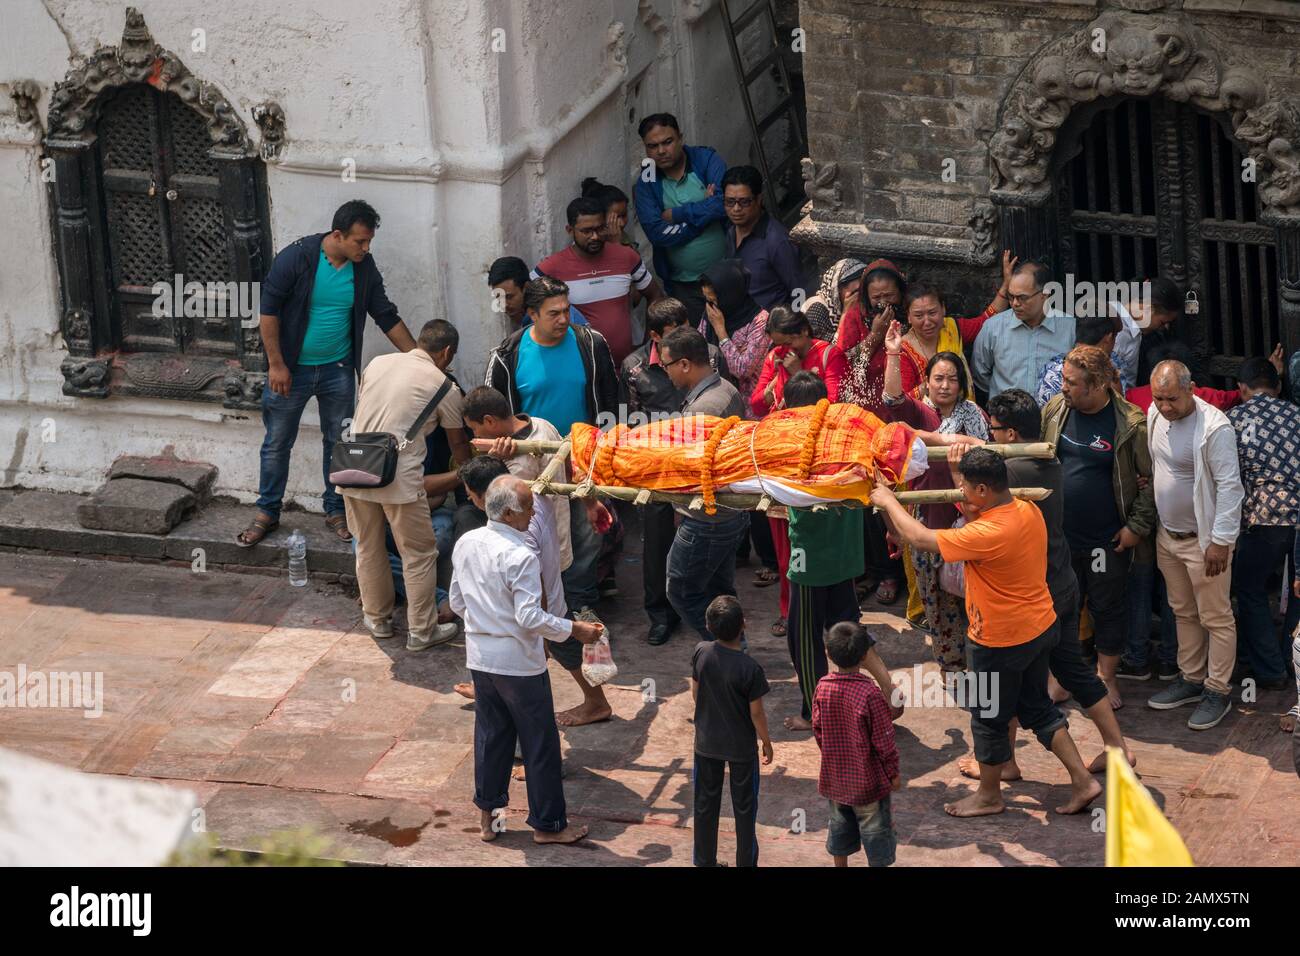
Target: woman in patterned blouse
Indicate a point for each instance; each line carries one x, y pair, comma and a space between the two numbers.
734, 322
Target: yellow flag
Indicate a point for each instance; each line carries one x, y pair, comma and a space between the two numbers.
1137, 833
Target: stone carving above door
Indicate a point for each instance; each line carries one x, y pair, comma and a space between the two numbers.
75, 102
1123, 53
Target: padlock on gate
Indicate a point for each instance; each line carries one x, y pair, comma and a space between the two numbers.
1191, 305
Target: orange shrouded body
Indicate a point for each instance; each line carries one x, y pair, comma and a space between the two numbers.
669, 455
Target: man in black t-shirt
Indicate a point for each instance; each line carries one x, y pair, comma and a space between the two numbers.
1014, 417
1101, 441
728, 687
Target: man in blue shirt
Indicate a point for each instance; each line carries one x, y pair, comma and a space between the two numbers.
1013, 346
315, 299
679, 205
758, 240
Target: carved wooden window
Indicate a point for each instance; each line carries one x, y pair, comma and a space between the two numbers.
1154, 187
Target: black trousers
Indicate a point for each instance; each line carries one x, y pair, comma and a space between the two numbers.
658, 528
1015, 678
707, 778
1066, 660
879, 563
813, 610
1102, 574
760, 536
510, 708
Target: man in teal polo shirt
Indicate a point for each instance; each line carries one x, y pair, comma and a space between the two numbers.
679, 205
315, 299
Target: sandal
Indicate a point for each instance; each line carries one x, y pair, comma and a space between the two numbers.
778, 628
765, 577
887, 593
260, 527
338, 523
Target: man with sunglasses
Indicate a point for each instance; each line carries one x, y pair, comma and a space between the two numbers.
1013, 346
758, 240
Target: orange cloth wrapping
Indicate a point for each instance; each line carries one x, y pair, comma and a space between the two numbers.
669, 455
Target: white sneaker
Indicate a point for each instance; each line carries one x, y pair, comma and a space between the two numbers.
379, 629
442, 633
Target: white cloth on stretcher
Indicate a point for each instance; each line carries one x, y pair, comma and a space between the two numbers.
782, 493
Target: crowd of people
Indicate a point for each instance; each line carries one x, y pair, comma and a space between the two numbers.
1168, 499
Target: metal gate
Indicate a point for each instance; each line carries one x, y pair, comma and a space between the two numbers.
1154, 187
164, 216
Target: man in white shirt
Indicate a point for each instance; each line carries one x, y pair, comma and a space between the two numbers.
1198, 491
497, 589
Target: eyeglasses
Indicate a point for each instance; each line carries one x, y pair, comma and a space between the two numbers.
732, 203
1022, 299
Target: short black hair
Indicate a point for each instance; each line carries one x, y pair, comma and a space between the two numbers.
657, 119
537, 291
724, 618
506, 269
743, 176
604, 193
785, 321
889, 275
804, 388
1258, 373
1091, 329
1016, 408
963, 383
923, 291
663, 312
482, 402
847, 643
437, 334
1166, 296
979, 466
1041, 272
584, 206
685, 343
480, 471
352, 212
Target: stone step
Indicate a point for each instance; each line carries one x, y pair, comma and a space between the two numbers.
47, 521
136, 506
196, 476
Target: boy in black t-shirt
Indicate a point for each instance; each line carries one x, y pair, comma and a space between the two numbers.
727, 686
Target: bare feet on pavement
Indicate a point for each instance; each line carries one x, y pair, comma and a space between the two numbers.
485, 831
797, 723
583, 714
570, 834
1098, 764
970, 767
465, 690
974, 806
1080, 798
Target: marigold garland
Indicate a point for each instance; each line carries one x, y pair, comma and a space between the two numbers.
810, 439
706, 467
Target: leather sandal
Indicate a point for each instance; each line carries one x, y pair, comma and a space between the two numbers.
260, 527
338, 523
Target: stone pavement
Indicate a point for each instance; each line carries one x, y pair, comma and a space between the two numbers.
279, 711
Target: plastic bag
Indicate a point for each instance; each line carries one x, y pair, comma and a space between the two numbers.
598, 664
952, 576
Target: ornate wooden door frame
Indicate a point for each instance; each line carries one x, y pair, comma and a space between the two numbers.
93, 367
1146, 55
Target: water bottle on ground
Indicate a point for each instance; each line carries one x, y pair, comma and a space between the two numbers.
297, 559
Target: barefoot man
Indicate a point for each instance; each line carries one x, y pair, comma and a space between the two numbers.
1013, 626
497, 590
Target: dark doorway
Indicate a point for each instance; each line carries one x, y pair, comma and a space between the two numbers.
1154, 187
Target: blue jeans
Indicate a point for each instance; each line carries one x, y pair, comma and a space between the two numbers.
1261, 549
334, 387
1143, 583
441, 518
579, 579
702, 565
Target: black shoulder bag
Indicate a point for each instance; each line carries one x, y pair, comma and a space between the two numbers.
369, 460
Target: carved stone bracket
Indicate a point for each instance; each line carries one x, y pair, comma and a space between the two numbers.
26, 94
86, 378
269, 118
903, 240
820, 186
75, 102
984, 234
243, 390
1143, 55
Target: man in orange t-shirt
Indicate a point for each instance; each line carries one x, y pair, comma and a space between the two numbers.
1013, 626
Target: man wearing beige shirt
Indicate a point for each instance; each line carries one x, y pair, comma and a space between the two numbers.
394, 390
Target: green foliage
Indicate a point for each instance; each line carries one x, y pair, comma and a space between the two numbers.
302, 847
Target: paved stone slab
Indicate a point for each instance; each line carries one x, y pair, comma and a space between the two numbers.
196, 476
136, 507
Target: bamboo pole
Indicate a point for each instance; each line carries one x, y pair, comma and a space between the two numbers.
935, 453
748, 502
552, 467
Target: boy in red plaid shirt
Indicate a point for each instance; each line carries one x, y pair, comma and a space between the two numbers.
852, 724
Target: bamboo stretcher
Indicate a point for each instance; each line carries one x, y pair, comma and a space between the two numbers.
545, 483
